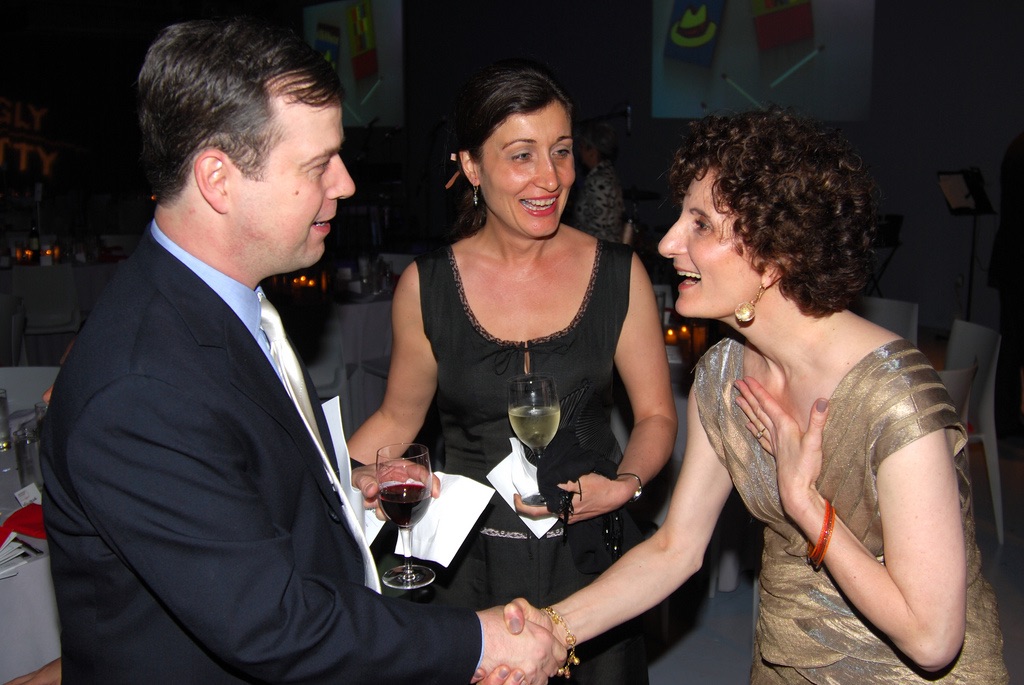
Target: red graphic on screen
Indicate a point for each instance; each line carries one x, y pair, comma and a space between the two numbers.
782, 22
362, 40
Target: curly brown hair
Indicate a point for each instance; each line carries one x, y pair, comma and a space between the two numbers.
801, 198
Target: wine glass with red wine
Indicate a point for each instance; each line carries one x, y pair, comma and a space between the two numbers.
405, 478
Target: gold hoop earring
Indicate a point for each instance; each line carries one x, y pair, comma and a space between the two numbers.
745, 312
476, 197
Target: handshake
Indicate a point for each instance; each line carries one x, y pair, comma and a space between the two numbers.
522, 645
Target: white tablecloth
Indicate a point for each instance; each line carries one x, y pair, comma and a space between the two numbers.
355, 345
29, 627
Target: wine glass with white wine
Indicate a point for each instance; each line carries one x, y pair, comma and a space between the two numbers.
533, 411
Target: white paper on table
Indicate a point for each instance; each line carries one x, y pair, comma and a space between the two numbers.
449, 519
512, 471
16, 551
353, 496
29, 495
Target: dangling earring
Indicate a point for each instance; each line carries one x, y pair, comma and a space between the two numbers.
745, 311
476, 198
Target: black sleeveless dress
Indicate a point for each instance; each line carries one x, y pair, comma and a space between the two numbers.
503, 560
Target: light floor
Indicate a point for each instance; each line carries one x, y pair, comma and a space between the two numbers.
709, 640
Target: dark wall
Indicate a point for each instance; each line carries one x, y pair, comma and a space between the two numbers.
946, 95
67, 106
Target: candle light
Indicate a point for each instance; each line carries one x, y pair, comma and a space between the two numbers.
670, 337
700, 338
686, 344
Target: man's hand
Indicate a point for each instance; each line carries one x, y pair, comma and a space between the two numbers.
502, 675
50, 674
519, 636
364, 478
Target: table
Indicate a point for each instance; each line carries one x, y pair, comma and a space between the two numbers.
354, 345
29, 627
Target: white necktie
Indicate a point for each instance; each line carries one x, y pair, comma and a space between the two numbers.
291, 375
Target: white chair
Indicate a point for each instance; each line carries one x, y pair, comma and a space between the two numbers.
970, 343
50, 298
958, 384
898, 316
398, 261
327, 365
25, 385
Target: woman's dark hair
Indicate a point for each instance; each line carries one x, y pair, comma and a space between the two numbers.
801, 198
211, 83
486, 100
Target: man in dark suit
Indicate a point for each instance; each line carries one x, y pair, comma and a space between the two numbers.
195, 535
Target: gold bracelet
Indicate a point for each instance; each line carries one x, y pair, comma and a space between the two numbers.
570, 642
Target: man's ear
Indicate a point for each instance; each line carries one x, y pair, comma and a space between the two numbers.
212, 171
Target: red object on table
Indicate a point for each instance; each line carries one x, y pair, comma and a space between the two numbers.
28, 521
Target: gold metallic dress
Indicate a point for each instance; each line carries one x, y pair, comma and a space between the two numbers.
806, 631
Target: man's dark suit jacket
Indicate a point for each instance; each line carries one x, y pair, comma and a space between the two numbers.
194, 535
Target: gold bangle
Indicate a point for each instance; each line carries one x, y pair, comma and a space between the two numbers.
570, 643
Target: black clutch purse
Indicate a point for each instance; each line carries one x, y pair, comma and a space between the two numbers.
582, 445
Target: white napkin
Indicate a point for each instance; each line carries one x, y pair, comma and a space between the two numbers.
513, 473
459, 505
353, 496
449, 519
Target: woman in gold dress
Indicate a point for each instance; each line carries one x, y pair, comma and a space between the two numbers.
837, 434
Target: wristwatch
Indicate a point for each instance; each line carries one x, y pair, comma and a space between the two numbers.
639, 486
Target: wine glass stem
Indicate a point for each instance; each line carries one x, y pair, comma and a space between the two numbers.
406, 533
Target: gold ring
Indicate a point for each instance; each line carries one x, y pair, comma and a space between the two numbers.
760, 433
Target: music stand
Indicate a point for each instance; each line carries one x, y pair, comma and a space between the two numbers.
965, 195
